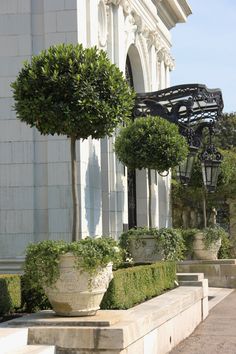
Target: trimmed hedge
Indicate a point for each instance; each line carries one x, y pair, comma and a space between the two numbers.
10, 293
134, 285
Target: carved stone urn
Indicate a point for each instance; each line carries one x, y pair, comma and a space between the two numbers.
201, 252
76, 292
143, 250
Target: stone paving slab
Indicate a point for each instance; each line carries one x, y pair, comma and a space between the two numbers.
216, 295
217, 334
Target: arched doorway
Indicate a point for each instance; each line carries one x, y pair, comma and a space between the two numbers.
131, 174
134, 76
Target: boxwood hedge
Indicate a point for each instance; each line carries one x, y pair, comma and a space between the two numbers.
10, 293
134, 285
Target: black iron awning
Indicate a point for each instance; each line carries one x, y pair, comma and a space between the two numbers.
193, 108
189, 104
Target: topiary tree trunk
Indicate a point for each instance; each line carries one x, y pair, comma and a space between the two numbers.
75, 199
150, 198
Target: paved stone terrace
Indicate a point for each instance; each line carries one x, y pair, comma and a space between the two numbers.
217, 334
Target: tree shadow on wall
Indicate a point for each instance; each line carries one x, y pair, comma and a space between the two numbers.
93, 192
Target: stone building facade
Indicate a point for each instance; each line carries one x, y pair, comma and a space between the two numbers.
35, 192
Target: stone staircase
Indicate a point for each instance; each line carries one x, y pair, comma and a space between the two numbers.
190, 279
221, 273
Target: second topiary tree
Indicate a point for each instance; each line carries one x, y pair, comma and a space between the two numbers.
152, 143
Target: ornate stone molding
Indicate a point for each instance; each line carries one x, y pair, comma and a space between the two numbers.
102, 23
168, 60
135, 25
130, 28
115, 2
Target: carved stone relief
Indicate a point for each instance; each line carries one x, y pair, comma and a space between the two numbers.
137, 31
102, 24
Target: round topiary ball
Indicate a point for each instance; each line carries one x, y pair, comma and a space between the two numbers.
151, 142
73, 91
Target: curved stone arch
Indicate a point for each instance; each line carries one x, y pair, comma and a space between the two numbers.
139, 68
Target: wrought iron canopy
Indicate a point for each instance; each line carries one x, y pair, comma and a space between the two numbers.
192, 107
188, 104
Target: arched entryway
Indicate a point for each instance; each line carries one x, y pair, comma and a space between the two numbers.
134, 76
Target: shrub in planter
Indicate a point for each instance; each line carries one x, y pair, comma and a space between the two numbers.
149, 245
204, 244
10, 293
73, 275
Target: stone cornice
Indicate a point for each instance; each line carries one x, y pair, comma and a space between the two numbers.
173, 11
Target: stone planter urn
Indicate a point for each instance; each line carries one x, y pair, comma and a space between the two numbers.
143, 250
201, 252
76, 292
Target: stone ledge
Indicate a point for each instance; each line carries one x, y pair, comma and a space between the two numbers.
217, 261
154, 321
11, 265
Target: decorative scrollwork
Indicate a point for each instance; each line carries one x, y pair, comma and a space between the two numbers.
210, 153
189, 105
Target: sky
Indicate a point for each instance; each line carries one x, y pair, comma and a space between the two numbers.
204, 48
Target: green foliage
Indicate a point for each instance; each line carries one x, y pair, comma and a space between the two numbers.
188, 238
10, 293
227, 178
41, 263
150, 142
73, 91
212, 234
226, 248
134, 285
225, 131
168, 241
33, 297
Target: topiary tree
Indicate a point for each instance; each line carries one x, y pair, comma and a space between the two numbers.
72, 91
152, 143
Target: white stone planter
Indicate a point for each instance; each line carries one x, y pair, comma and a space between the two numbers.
143, 250
76, 293
200, 251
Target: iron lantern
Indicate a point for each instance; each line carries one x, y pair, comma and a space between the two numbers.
184, 170
210, 160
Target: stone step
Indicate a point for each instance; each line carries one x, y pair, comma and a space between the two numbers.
12, 338
33, 349
190, 283
190, 276
14, 341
